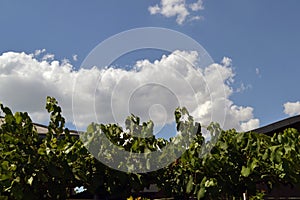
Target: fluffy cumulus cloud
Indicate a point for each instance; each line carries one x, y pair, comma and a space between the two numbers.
179, 9
149, 90
292, 108
25, 82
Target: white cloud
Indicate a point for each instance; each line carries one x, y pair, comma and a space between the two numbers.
257, 71
65, 61
39, 51
292, 108
243, 87
179, 9
154, 9
197, 5
75, 57
226, 61
150, 89
48, 56
196, 18
250, 125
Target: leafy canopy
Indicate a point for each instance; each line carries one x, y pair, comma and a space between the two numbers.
226, 166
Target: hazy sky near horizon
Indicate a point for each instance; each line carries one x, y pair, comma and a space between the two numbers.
256, 44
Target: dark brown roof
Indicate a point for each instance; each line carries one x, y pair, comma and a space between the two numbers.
291, 122
42, 129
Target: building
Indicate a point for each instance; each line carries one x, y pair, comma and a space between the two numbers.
291, 122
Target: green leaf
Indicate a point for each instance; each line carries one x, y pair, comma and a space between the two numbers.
30, 180
41, 151
148, 164
210, 183
245, 171
253, 164
91, 128
266, 155
5, 176
6, 110
18, 117
201, 193
278, 156
5, 165
13, 167
189, 186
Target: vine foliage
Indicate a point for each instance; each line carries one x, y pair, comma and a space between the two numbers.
224, 167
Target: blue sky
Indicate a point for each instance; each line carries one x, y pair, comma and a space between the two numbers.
262, 38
